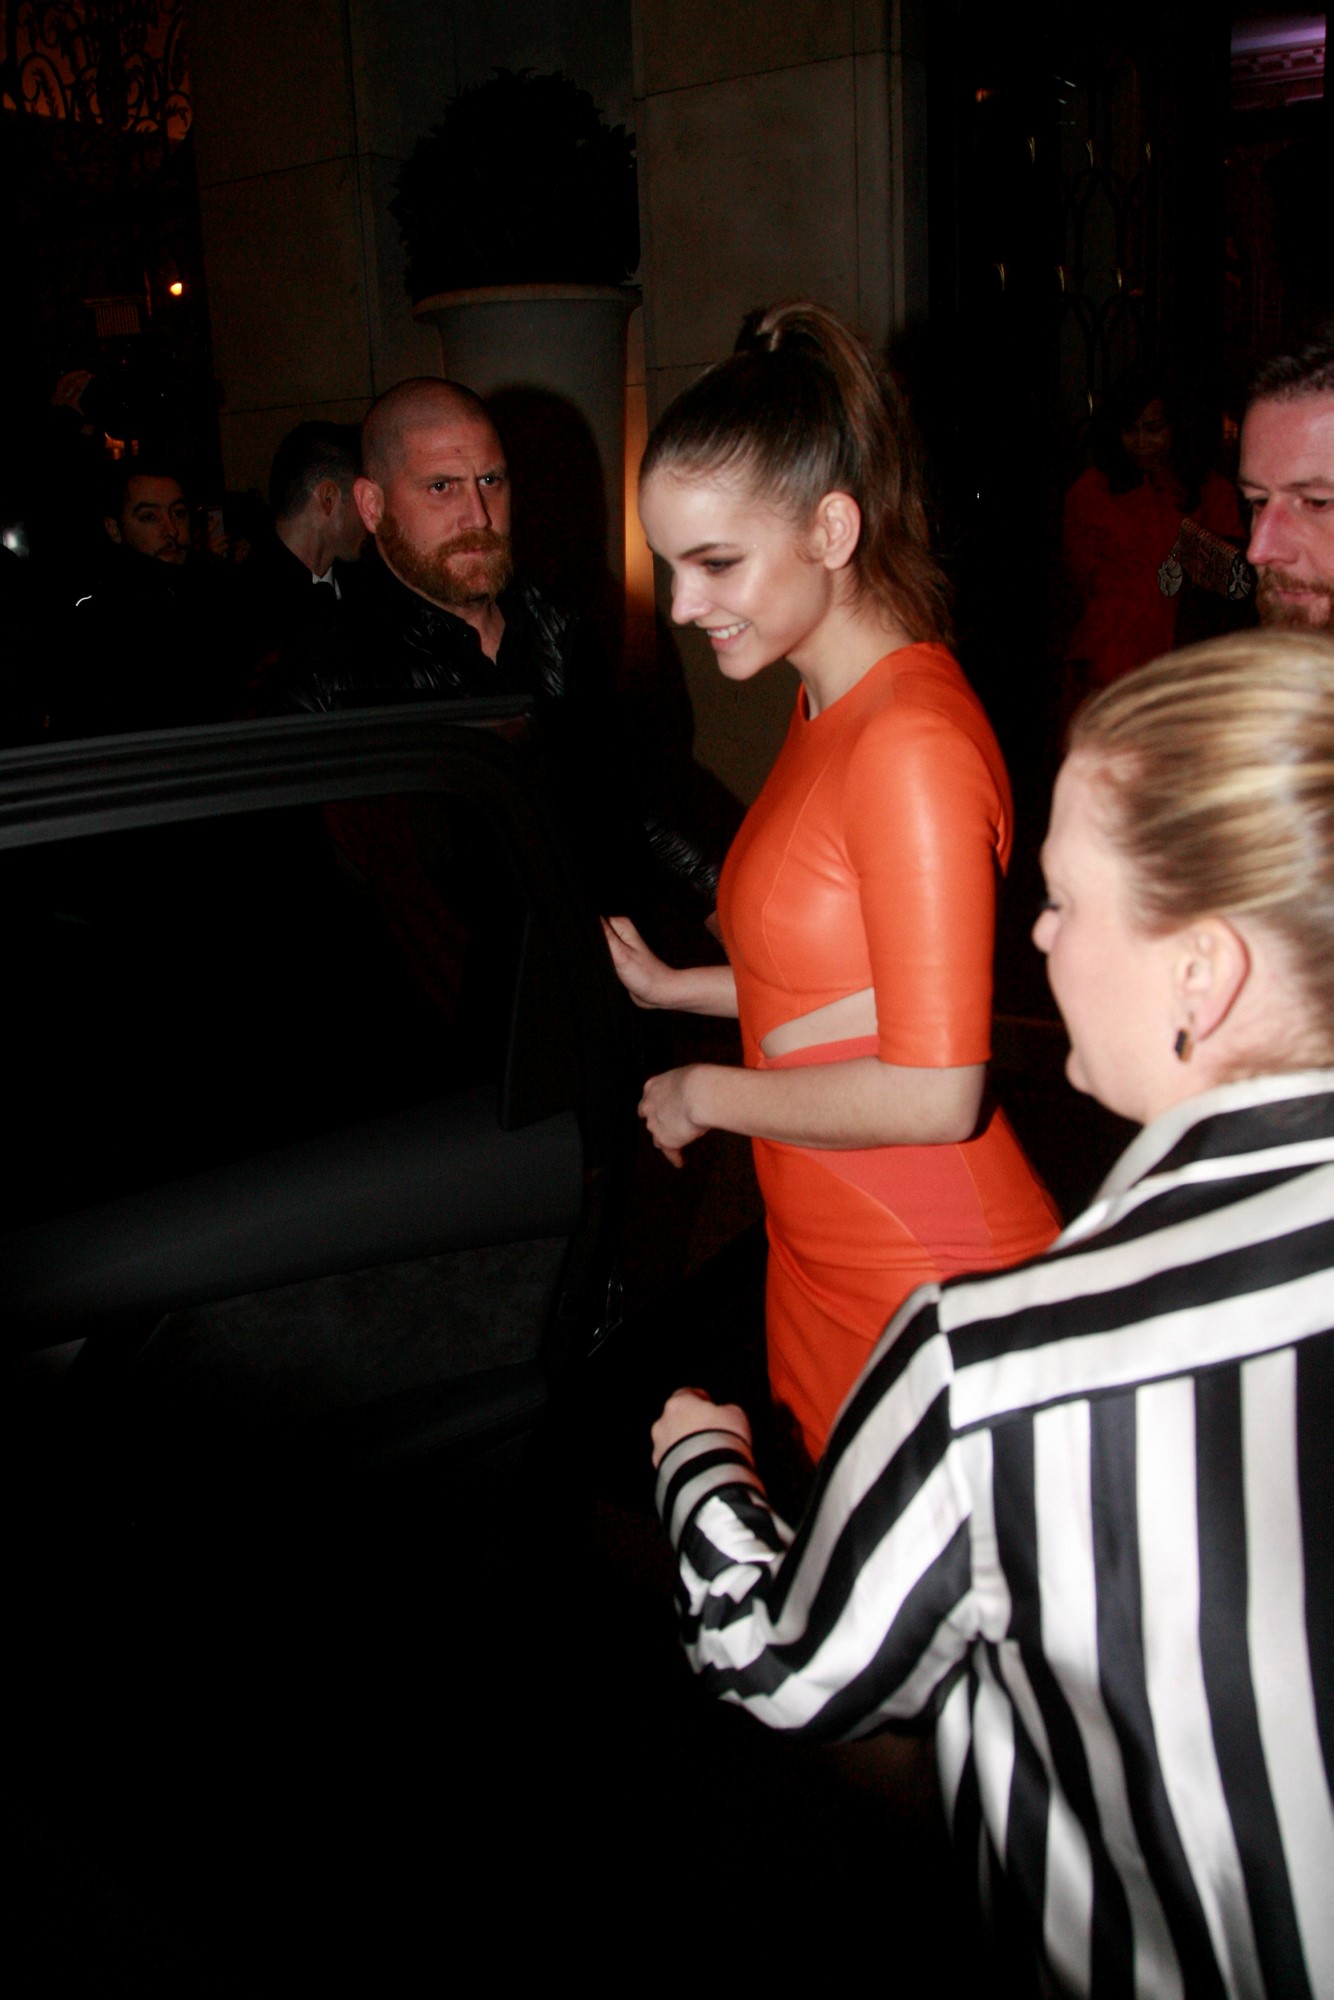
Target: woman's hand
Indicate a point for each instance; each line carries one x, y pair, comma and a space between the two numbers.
640, 971
696, 989
663, 1110
690, 1410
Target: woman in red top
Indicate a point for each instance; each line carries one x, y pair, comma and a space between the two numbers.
858, 901
1122, 520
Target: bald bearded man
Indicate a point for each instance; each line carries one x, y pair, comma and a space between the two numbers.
435, 612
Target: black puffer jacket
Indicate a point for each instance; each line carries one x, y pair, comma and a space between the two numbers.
392, 644
143, 644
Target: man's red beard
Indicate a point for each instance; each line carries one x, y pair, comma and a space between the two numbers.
463, 570
1311, 614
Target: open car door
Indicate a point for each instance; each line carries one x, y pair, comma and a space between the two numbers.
320, 1094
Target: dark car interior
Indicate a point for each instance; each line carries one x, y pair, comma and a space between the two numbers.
319, 1091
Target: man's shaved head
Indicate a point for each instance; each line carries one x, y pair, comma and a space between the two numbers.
435, 495
408, 406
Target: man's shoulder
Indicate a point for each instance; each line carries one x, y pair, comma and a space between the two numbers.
554, 636
126, 583
537, 612
385, 639
376, 606
272, 565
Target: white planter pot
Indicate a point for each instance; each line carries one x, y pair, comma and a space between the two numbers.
552, 359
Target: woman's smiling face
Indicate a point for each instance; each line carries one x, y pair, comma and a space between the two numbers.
740, 570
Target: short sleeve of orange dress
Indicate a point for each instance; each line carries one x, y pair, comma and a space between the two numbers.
871, 859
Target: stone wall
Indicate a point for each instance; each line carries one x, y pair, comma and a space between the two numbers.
776, 160
303, 115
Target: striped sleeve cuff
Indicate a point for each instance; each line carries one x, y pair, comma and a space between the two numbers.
696, 1467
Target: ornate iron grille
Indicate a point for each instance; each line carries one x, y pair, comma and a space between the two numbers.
111, 73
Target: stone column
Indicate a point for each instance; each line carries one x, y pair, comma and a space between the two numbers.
302, 118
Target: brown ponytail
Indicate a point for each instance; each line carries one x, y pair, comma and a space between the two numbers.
801, 409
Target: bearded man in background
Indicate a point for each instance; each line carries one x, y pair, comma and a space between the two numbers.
1287, 481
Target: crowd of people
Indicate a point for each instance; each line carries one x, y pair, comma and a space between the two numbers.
1070, 1488
136, 610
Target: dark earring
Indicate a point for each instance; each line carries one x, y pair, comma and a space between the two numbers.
1183, 1045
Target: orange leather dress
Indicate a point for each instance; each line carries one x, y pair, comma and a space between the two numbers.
871, 859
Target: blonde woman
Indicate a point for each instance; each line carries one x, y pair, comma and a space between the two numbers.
1078, 1514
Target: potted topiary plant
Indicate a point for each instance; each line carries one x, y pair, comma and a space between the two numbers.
520, 221
523, 182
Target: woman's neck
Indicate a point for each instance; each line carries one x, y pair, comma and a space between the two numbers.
843, 648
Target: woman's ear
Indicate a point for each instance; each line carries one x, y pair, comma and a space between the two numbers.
1210, 970
836, 530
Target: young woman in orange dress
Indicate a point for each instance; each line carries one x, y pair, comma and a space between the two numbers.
857, 904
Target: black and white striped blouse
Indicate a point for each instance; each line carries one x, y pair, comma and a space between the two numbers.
1081, 1514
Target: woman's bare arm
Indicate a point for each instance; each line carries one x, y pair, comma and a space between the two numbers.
863, 1102
691, 989
837, 1106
